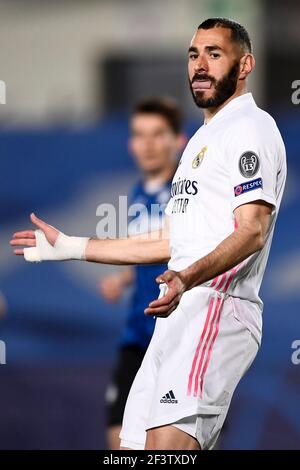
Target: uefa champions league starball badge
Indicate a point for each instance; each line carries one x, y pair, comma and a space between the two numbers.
199, 158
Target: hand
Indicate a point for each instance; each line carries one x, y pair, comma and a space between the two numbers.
27, 237
111, 287
164, 306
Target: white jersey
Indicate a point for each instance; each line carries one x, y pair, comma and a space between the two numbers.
198, 354
236, 158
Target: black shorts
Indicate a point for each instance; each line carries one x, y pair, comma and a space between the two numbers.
128, 363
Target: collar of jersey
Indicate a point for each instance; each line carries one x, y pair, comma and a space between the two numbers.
234, 104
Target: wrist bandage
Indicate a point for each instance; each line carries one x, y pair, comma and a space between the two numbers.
65, 248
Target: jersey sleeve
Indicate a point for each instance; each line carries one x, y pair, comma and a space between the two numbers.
252, 164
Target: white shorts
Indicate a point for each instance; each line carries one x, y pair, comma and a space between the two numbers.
192, 366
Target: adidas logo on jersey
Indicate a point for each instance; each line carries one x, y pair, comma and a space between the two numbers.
169, 398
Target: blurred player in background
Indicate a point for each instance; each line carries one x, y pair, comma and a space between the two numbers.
225, 198
155, 141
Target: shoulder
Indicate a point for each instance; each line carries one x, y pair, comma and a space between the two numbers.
253, 126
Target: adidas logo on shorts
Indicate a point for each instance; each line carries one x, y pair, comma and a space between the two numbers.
169, 398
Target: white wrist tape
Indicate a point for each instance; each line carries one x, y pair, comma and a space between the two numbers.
65, 248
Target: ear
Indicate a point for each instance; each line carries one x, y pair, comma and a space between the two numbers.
247, 64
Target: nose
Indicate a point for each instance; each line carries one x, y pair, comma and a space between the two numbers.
201, 64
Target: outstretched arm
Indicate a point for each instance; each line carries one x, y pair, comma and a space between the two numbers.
48, 243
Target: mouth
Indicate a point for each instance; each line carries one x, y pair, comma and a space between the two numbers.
199, 85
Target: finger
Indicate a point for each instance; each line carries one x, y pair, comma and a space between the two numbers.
38, 222
23, 242
163, 309
164, 277
165, 300
162, 312
164, 315
157, 311
24, 234
19, 251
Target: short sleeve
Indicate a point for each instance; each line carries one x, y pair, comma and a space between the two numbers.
252, 163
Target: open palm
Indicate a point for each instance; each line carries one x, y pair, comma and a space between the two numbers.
26, 238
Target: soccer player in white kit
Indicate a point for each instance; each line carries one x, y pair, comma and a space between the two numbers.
224, 202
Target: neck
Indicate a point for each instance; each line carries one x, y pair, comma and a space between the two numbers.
209, 113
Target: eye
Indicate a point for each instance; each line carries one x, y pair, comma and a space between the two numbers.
193, 56
214, 55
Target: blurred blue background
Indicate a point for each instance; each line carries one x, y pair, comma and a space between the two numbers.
72, 72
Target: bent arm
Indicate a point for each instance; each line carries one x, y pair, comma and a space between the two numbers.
252, 224
253, 221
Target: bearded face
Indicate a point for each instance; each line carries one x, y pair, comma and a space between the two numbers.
220, 90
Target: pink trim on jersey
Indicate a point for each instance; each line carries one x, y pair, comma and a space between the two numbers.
211, 329
214, 282
191, 375
218, 314
218, 283
233, 271
223, 279
213, 333
217, 278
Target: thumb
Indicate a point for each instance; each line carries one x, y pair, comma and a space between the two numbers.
50, 232
38, 222
165, 277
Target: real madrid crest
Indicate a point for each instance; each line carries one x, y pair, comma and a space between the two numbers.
198, 159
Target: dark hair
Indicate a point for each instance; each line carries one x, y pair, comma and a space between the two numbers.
165, 107
238, 32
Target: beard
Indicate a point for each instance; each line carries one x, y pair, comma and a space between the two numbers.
224, 88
